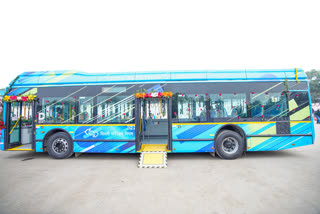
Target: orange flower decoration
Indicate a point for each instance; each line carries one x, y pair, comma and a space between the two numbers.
138, 95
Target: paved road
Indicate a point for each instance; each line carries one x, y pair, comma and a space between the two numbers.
262, 182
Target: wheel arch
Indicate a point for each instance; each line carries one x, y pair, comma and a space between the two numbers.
235, 128
52, 132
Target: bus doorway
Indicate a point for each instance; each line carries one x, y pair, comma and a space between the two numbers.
19, 126
153, 122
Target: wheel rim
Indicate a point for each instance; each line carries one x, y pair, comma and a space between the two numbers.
60, 145
230, 145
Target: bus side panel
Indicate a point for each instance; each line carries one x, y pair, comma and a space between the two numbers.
94, 133
193, 146
197, 131
277, 143
104, 147
207, 131
258, 128
303, 127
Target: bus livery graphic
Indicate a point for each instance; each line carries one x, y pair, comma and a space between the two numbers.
223, 111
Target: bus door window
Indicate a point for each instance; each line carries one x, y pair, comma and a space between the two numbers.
14, 122
156, 109
26, 123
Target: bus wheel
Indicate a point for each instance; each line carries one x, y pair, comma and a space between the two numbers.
60, 146
229, 145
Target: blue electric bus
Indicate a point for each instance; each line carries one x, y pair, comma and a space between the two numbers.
226, 112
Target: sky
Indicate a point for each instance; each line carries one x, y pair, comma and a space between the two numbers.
121, 36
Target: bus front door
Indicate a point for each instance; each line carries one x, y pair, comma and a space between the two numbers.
19, 126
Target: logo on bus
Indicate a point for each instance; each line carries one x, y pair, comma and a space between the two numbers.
92, 133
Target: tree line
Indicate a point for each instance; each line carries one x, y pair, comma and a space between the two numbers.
314, 84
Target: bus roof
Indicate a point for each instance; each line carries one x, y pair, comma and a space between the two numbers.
74, 78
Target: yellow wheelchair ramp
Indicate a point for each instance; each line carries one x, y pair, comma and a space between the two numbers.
153, 156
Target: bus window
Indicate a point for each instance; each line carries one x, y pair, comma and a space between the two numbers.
85, 110
228, 105
268, 105
299, 106
58, 110
191, 107
115, 109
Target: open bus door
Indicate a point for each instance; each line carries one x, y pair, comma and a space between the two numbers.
144, 122
20, 126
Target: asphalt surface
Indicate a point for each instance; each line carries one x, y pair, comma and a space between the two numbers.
261, 182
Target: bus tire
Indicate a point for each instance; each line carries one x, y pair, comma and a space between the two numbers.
60, 145
229, 145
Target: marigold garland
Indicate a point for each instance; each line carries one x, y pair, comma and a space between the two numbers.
150, 95
20, 98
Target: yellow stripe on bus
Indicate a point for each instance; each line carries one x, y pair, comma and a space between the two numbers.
222, 123
17, 149
300, 121
39, 125
237, 123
